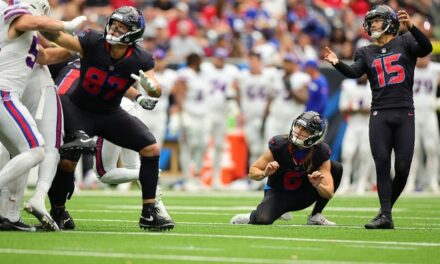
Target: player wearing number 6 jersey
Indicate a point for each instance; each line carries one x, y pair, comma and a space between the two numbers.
299, 173
389, 64
110, 64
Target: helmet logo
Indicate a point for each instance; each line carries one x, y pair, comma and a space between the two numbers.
384, 50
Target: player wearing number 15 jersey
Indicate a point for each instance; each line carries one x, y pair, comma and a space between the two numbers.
389, 64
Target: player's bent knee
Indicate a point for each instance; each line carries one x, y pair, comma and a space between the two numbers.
68, 165
38, 153
150, 151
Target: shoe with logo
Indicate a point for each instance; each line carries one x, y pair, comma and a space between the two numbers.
62, 218
153, 221
7, 225
38, 210
78, 143
319, 219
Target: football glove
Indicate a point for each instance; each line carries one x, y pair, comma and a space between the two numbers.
146, 103
148, 84
70, 26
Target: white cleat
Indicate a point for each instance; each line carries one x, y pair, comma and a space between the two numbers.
241, 219
39, 211
286, 216
319, 219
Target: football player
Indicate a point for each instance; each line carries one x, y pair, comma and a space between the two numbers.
426, 81
299, 173
111, 61
389, 63
354, 104
219, 75
19, 134
253, 87
190, 92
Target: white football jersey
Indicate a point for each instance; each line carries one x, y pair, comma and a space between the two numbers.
196, 93
220, 83
283, 105
355, 97
254, 90
18, 55
425, 87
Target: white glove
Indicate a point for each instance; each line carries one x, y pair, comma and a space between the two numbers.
70, 26
148, 84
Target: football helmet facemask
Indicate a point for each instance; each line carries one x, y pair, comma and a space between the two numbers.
133, 19
390, 21
313, 122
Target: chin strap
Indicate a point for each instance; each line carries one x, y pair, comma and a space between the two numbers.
377, 35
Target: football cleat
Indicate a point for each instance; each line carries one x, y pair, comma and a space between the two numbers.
76, 144
380, 221
241, 219
62, 218
153, 221
40, 212
7, 225
286, 216
1, 219
319, 219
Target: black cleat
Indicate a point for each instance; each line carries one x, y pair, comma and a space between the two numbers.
153, 221
7, 225
1, 219
76, 144
380, 221
62, 218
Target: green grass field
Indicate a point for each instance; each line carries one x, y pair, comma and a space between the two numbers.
107, 232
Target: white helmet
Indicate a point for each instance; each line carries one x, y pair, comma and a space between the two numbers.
36, 7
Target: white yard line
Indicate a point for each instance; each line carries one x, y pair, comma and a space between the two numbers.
142, 256
341, 241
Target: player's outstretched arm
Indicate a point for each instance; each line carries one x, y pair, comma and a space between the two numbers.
49, 56
29, 22
64, 40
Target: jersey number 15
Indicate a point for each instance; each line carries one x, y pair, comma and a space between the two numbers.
387, 73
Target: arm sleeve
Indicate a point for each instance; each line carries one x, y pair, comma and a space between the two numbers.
422, 47
356, 70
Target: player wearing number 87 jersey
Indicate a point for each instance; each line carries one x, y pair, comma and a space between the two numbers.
299, 173
110, 64
389, 64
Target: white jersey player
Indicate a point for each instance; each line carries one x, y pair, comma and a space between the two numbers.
18, 55
190, 92
288, 97
426, 81
253, 87
220, 77
354, 103
166, 78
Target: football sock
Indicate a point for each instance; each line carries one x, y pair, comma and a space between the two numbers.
21, 164
148, 176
